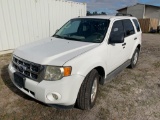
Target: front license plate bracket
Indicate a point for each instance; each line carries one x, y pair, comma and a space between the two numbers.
19, 79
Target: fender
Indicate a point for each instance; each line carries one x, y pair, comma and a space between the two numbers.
135, 46
84, 70
88, 64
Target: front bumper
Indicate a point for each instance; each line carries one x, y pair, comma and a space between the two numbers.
67, 89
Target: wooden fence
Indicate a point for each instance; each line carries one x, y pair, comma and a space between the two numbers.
148, 24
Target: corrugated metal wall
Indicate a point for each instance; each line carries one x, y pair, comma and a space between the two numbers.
136, 10
152, 12
24, 21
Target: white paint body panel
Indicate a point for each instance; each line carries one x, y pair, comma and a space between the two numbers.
67, 87
81, 56
53, 51
26, 21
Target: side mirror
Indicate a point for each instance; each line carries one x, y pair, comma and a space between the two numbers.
118, 38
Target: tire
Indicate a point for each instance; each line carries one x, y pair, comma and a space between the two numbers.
84, 100
134, 59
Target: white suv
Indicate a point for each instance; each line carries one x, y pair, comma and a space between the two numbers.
67, 68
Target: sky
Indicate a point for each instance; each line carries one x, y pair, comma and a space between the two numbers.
110, 6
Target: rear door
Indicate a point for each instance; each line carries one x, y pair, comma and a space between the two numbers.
138, 29
130, 37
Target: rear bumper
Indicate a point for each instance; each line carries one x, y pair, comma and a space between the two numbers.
66, 89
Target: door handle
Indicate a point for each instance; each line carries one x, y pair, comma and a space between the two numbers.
123, 44
135, 38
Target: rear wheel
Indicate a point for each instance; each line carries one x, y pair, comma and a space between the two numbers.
134, 59
88, 92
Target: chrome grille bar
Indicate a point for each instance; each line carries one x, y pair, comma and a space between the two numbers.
28, 69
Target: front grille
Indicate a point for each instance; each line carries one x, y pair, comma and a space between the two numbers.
28, 69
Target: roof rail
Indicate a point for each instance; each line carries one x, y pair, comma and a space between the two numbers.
123, 14
97, 15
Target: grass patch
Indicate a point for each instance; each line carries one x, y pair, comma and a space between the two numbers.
102, 92
130, 95
156, 115
157, 64
104, 114
6, 55
125, 89
1, 86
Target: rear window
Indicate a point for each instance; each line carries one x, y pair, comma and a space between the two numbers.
128, 26
137, 25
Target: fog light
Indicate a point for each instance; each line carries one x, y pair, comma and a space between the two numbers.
53, 96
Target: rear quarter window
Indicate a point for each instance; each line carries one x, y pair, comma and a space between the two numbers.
137, 25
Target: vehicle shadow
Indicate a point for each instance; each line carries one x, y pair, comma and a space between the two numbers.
7, 81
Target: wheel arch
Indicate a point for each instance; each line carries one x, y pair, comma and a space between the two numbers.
137, 46
101, 72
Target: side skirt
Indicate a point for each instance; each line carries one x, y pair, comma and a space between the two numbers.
115, 72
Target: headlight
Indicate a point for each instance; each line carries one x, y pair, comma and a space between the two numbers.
56, 73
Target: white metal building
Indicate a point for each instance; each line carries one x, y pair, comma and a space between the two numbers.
142, 11
24, 21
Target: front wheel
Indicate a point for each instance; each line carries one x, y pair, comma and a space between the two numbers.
88, 92
134, 59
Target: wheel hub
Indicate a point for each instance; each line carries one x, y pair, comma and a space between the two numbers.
94, 90
135, 58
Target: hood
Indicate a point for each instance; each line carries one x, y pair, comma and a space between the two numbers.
53, 51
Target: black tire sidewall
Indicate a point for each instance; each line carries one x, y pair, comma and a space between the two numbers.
84, 96
95, 77
132, 61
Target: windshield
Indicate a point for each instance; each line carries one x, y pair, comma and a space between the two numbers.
85, 30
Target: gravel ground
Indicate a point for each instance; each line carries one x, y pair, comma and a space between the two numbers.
132, 95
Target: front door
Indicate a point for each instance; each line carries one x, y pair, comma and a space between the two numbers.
116, 51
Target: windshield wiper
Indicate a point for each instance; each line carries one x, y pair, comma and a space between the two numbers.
70, 38
58, 36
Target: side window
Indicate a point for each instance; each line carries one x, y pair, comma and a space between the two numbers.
137, 25
117, 30
128, 27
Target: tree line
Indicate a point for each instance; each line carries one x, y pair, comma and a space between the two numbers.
95, 13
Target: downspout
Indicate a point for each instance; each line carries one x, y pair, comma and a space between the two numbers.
159, 16
144, 11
